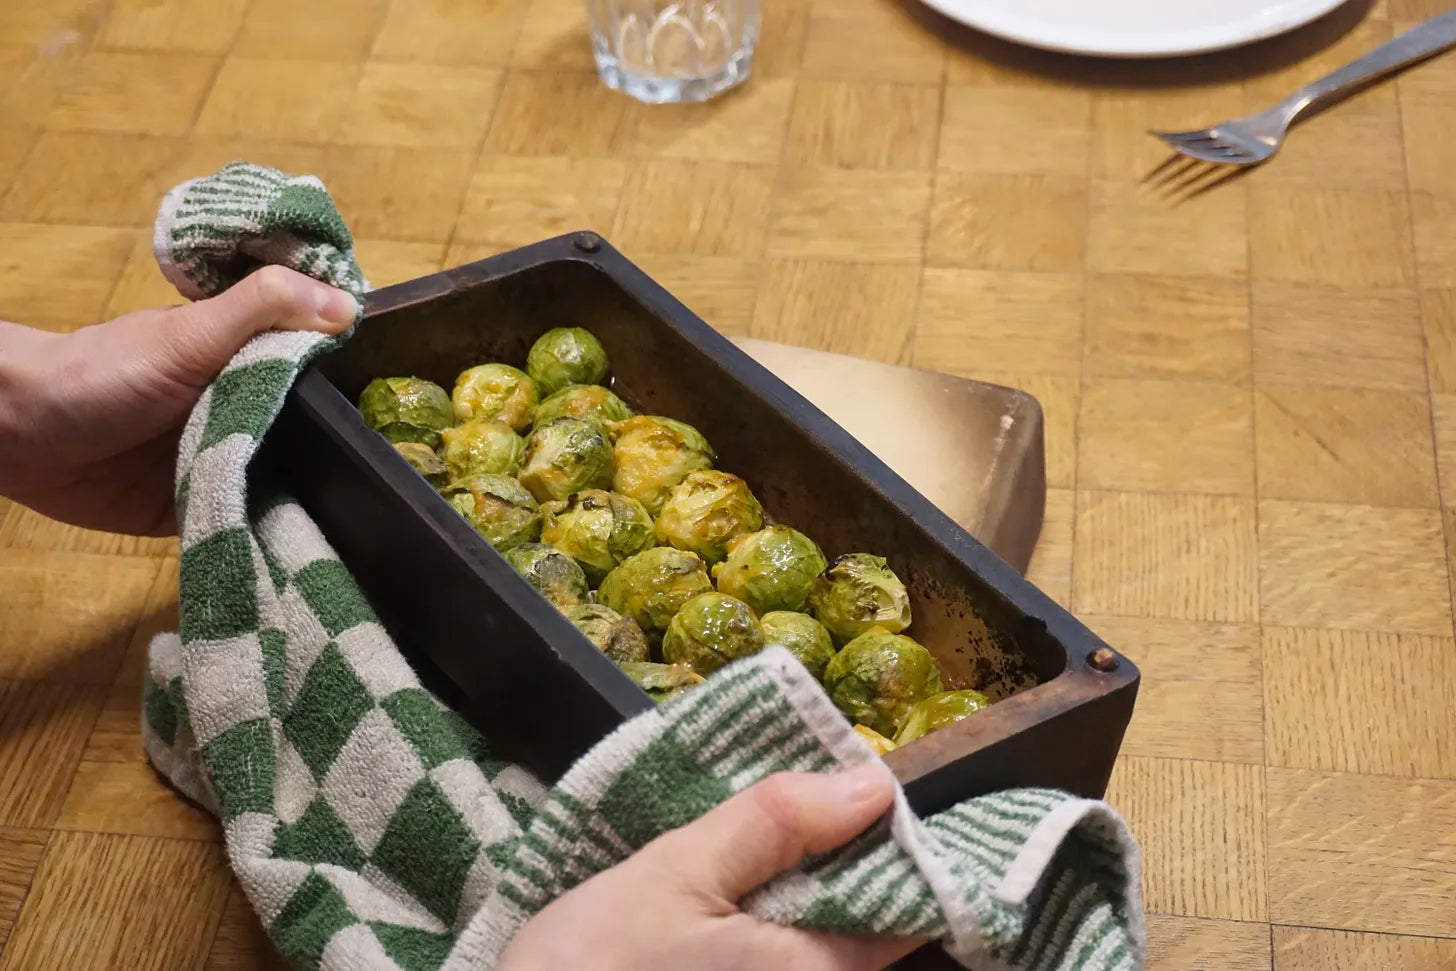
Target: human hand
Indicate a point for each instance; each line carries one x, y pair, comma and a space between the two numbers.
674, 904
89, 421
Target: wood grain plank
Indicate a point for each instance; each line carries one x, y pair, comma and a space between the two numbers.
69, 616
1201, 826
1362, 852
43, 730
105, 902
1194, 944
240, 943
1357, 701
1176, 556
1313, 949
20, 852
1354, 567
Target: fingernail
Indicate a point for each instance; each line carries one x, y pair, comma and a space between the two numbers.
866, 782
336, 306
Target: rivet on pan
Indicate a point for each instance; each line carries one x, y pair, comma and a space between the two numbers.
1103, 659
588, 242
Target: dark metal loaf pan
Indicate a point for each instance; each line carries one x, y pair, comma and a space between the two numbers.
523, 674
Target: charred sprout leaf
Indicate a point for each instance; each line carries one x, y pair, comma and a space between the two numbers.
857, 593
878, 677
589, 402
564, 457
423, 460
662, 682
498, 507
495, 391
653, 454
653, 585
939, 711
618, 637
711, 630
556, 575
772, 569
878, 742
804, 636
406, 409
706, 510
597, 529
482, 446
566, 355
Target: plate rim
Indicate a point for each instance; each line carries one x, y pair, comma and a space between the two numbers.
993, 20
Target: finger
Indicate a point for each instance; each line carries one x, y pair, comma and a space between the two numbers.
769, 827
206, 334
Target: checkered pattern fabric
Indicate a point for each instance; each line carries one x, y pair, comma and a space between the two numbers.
364, 819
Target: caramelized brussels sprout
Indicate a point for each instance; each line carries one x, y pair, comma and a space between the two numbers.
662, 682
804, 636
597, 529
498, 507
618, 637
481, 446
938, 711
881, 744
653, 585
709, 631
706, 510
495, 391
406, 409
589, 402
564, 457
772, 569
554, 573
857, 593
653, 454
566, 355
423, 460
878, 677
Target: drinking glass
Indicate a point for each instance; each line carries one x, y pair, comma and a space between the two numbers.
660, 52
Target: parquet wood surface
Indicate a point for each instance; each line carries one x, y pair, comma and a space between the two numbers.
1250, 394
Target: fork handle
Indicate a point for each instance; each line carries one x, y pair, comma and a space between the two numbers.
1418, 43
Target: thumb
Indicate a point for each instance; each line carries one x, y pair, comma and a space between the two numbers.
769, 827
205, 335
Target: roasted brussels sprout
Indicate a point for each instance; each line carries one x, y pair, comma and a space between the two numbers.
482, 446
711, 630
857, 593
424, 461
567, 456
618, 637
498, 507
598, 529
878, 677
653, 454
662, 682
804, 636
706, 510
653, 585
938, 711
406, 409
495, 391
566, 355
772, 569
589, 402
878, 742
554, 573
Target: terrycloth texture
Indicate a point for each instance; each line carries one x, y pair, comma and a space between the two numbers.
364, 819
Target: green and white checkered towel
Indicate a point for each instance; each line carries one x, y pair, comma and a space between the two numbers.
365, 821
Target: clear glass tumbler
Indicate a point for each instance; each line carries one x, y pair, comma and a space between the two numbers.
660, 52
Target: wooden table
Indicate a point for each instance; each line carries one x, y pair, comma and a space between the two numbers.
1250, 394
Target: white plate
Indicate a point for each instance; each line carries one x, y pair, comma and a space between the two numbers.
1134, 28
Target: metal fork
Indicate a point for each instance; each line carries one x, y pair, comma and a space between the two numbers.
1254, 138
